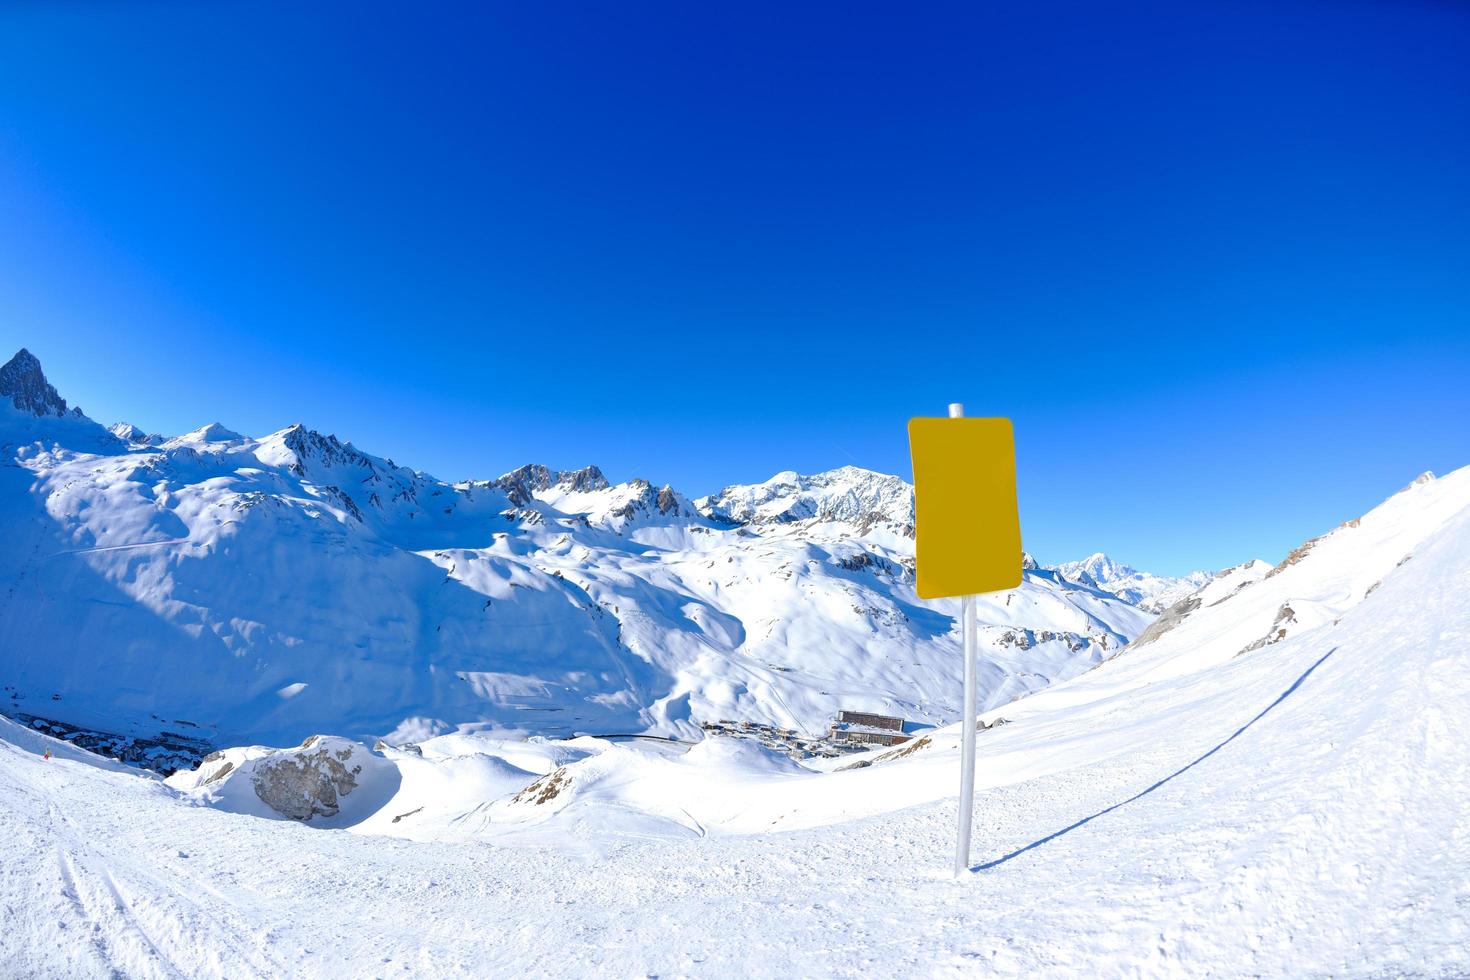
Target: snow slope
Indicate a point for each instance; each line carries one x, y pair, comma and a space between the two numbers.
242, 590
1205, 633
1196, 806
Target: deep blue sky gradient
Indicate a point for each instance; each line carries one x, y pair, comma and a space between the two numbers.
1213, 258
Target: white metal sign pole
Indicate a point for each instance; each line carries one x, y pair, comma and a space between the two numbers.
967, 750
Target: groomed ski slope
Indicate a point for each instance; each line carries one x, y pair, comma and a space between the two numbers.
1297, 810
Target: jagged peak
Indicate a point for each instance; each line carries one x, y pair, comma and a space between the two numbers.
667, 501
24, 383
302, 439
25, 361
306, 445
1096, 568
130, 433
587, 479
524, 482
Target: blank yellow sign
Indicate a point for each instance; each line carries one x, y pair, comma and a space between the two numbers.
967, 528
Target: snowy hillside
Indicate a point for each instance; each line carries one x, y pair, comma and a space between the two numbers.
1153, 593
1202, 804
1199, 633
1314, 586
218, 588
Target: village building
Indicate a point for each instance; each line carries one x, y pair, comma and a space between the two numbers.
856, 728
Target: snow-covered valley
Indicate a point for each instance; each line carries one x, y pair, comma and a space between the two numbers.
1268, 779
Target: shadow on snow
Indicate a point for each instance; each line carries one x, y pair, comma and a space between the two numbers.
1179, 772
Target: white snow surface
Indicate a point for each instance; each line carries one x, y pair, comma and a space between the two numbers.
246, 590
1196, 806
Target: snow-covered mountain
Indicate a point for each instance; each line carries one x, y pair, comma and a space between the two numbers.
1150, 592
131, 434
850, 495
1273, 781
237, 589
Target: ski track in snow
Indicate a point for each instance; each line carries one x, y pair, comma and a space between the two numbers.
121, 547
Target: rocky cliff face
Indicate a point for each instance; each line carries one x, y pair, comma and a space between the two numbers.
523, 484
25, 385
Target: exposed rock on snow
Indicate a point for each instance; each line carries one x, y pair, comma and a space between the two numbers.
311, 781
308, 782
545, 789
1171, 618
522, 485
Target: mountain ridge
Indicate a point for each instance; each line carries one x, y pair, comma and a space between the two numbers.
258, 589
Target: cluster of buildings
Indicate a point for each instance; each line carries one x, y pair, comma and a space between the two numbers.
852, 731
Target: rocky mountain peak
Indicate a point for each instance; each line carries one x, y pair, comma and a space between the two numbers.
525, 482
24, 383
1097, 569
1150, 592
311, 444
585, 480
645, 501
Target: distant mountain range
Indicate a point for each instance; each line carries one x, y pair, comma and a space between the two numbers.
225, 587
1154, 593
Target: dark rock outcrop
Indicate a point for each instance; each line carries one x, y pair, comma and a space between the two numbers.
24, 383
521, 484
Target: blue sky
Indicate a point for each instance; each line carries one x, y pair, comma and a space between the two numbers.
1212, 258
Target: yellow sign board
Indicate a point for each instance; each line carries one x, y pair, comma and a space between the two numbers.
967, 527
